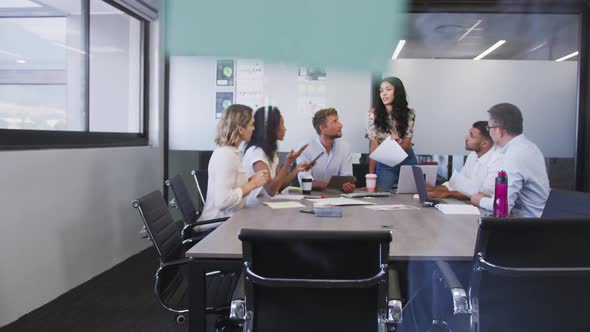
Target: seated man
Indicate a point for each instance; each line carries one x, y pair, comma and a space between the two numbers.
337, 158
482, 163
528, 184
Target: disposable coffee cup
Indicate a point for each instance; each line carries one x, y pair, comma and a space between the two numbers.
371, 180
306, 182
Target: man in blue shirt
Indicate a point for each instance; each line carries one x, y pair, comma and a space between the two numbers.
337, 158
528, 184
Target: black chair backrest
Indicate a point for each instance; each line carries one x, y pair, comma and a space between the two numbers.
202, 182
161, 228
310, 281
530, 272
563, 203
183, 199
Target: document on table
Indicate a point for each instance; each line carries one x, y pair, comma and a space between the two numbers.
457, 209
339, 201
394, 207
287, 197
389, 153
284, 205
460, 183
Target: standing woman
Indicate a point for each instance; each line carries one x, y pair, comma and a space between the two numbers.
228, 183
261, 154
391, 117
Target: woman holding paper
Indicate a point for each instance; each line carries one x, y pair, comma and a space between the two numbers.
261, 154
392, 118
229, 183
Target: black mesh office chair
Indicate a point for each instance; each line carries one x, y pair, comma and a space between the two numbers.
529, 274
171, 277
316, 281
188, 210
563, 203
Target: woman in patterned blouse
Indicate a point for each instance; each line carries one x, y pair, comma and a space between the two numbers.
391, 117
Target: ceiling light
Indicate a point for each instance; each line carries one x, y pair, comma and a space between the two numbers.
470, 29
567, 56
489, 50
398, 49
537, 47
20, 61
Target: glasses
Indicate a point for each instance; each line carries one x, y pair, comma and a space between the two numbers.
490, 127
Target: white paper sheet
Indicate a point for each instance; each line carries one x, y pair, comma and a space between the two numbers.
394, 207
458, 209
389, 153
339, 201
460, 183
284, 205
287, 197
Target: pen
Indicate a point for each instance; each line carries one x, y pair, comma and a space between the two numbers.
315, 197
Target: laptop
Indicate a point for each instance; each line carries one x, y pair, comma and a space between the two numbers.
406, 183
420, 182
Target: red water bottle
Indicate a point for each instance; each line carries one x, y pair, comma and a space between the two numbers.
501, 195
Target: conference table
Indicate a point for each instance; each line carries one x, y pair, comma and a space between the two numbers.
418, 234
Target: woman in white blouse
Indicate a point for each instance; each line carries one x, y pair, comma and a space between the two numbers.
261, 154
228, 182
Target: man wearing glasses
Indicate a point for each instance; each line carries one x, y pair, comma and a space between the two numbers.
481, 165
528, 184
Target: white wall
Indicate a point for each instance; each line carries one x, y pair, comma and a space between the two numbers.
192, 102
66, 215
449, 95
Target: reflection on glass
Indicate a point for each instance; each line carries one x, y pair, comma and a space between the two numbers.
115, 70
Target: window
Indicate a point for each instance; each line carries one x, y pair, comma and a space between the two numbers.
72, 75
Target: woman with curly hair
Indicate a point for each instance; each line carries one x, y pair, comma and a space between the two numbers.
261, 154
391, 117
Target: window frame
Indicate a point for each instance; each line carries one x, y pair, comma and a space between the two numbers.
27, 139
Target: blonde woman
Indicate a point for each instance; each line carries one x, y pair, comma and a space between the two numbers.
228, 184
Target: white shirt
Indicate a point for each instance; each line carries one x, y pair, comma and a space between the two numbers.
226, 176
337, 162
528, 184
253, 155
479, 171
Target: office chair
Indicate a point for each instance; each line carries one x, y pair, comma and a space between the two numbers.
171, 278
201, 181
529, 274
563, 203
316, 281
189, 212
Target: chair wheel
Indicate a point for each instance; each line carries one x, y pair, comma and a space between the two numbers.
180, 319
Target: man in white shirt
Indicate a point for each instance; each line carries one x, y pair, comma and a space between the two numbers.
528, 184
482, 163
337, 158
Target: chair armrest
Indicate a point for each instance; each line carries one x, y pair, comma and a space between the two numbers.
237, 309
175, 262
450, 280
394, 299
205, 222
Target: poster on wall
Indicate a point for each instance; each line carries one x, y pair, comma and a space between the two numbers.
311, 74
311, 90
225, 72
250, 83
222, 101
